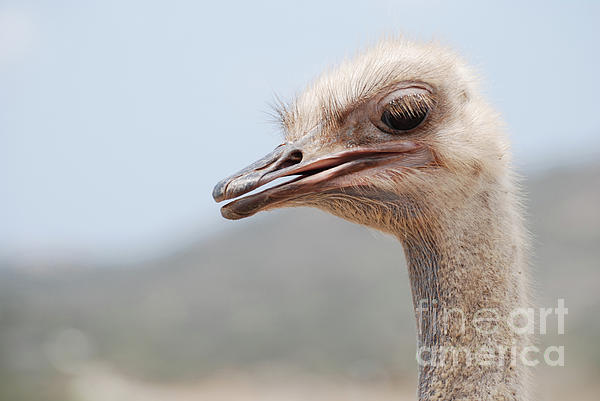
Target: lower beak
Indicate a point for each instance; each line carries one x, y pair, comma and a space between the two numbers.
313, 174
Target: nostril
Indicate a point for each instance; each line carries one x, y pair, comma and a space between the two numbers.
296, 156
292, 158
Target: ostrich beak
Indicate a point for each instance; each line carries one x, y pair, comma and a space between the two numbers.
308, 174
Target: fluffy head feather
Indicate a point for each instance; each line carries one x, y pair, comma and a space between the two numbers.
462, 133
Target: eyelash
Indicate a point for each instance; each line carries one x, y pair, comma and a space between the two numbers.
410, 106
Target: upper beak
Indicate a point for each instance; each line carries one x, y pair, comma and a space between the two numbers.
316, 173
271, 166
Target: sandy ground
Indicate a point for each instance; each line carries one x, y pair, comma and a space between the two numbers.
102, 384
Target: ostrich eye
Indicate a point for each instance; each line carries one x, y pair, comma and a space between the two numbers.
402, 110
404, 114
400, 122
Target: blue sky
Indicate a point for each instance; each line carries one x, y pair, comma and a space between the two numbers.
117, 117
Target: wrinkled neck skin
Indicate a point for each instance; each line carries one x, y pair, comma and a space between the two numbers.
469, 266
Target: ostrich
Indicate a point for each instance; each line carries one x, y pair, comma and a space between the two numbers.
399, 139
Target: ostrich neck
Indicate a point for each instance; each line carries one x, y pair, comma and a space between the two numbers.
469, 267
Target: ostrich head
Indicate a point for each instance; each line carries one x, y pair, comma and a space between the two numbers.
389, 139
399, 139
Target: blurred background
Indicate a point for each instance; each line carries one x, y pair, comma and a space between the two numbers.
119, 280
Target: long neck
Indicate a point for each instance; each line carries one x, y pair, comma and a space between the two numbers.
468, 273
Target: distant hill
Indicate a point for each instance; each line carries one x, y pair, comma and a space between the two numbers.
297, 287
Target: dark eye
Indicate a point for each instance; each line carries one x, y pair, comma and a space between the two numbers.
402, 110
398, 121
